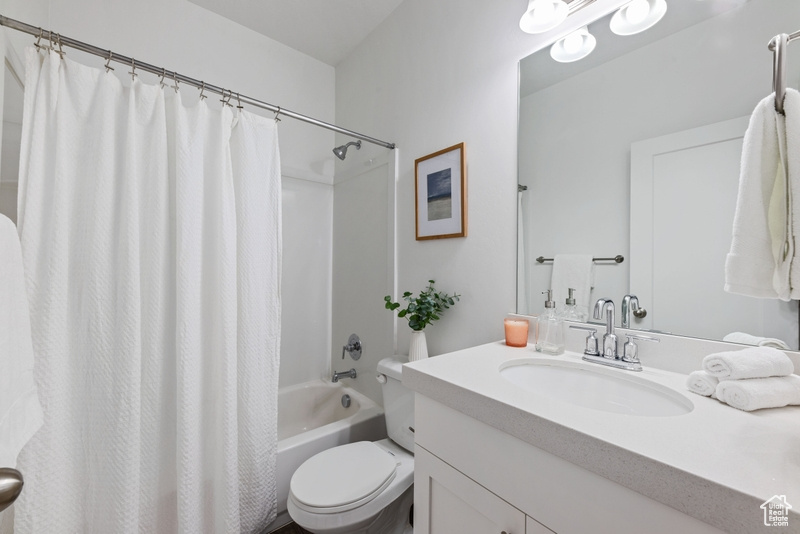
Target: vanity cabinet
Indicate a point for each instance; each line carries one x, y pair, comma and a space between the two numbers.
470, 477
448, 501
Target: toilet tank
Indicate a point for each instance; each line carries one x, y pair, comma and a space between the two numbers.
398, 403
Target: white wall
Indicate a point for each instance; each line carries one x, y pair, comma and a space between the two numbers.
363, 263
432, 75
713, 71
193, 41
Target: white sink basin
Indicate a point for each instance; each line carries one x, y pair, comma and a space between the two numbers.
593, 386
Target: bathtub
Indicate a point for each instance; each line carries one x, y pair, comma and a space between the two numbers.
311, 419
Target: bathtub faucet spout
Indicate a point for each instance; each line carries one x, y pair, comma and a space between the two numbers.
344, 374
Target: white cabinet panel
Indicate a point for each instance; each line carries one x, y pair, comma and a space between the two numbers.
447, 502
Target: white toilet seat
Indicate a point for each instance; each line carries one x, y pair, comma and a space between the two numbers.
343, 478
363, 512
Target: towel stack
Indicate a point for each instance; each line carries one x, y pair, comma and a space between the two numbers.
748, 379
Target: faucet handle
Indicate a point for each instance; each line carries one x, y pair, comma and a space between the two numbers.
640, 313
591, 340
630, 352
353, 347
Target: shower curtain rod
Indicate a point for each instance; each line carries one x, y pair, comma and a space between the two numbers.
108, 55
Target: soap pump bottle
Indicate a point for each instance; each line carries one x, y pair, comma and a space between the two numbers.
570, 312
550, 339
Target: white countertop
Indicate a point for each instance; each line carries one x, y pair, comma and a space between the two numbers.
716, 463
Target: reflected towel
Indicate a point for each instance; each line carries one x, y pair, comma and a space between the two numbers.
756, 362
748, 339
702, 383
20, 412
749, 395
573, 271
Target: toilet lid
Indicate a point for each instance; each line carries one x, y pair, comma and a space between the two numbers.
351, 474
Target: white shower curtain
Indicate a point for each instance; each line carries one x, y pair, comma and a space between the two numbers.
151, 240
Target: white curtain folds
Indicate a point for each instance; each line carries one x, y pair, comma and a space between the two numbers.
151, 240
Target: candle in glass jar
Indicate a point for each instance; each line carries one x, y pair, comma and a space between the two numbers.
516, 332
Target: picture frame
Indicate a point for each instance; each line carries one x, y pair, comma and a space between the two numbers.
440, 185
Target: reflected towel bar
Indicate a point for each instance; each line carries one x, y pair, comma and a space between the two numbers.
615, 259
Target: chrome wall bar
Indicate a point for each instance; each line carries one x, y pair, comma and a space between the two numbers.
616, 259
171, 75
778, 46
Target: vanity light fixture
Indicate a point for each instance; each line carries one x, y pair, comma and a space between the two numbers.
577, 45
637, 16
543, 15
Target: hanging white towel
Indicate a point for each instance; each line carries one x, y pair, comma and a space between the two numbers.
758, 393
20, 412
761, 246
573, 271
749, 339
791, 106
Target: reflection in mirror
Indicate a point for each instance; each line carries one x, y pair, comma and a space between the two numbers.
635, 150
12, 134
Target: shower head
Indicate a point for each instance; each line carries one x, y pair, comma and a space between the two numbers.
341, 151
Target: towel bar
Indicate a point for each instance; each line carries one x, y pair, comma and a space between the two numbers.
616, 259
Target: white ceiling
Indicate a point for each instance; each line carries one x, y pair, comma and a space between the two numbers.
324, 29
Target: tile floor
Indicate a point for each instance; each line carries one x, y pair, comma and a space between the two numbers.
291, 528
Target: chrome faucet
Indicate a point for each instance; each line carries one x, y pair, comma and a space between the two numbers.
630, 305
344, 374
629, 360
610, 338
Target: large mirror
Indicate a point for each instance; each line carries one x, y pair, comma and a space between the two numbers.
634, 151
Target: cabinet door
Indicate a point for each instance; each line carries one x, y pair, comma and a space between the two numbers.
447, 501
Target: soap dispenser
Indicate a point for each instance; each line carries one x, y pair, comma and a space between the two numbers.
550, 339
570, 312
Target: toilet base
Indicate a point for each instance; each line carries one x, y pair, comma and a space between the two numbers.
394, 519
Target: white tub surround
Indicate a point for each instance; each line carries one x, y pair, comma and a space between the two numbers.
715, 464
311, 419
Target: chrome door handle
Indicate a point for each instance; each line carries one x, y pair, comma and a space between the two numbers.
10, 486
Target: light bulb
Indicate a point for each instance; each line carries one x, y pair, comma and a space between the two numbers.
543, 13
573, 42
637, 11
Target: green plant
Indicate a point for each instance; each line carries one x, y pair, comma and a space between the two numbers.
424, 309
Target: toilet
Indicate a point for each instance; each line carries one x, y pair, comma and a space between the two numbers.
363, 487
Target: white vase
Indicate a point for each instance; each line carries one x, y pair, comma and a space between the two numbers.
419, 347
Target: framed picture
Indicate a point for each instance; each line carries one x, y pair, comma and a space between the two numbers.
441, 192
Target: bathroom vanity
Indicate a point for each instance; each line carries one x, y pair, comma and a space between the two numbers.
493, 455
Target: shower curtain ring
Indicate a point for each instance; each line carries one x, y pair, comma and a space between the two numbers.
277, 119
239, 100
60, 50
161, 81
50, 40
202, 90
133, 70
226, 99
175, 79
38, 42
108, 61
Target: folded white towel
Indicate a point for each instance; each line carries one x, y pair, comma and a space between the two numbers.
20, 412
756, 362
702, 383
749, 395
749, 339
573, 271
